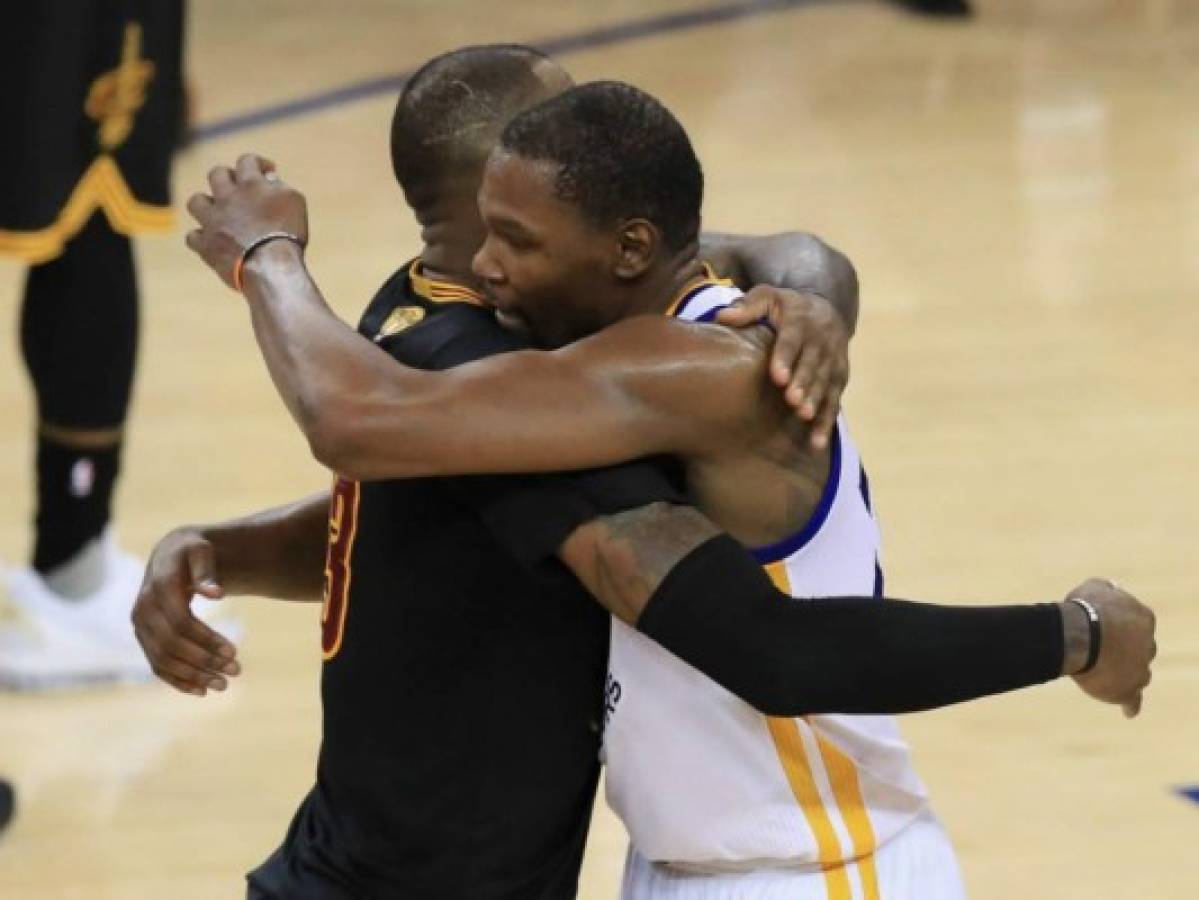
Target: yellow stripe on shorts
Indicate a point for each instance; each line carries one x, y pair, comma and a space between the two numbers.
843, 776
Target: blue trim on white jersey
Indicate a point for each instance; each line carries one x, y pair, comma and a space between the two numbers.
691, 295
864, 487
709, 317
779, 550
796, 542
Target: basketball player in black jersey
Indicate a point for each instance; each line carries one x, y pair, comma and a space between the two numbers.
243, 554
463, 673
91, 108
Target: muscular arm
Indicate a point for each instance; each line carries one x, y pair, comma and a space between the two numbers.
367, 418
645, 386
793, 259
665, 570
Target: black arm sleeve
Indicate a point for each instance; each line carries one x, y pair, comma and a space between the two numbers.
718, 611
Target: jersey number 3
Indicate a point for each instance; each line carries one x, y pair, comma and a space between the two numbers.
343, 525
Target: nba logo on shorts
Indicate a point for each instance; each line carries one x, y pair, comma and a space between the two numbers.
83, 476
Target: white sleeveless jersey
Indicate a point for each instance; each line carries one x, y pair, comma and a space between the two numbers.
703, 781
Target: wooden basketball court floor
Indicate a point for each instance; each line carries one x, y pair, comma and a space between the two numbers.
1021, 197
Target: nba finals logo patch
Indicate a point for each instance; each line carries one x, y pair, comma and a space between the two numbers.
401, 317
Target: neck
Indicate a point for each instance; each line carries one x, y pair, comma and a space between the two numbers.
447, 261
655, 292
451, 234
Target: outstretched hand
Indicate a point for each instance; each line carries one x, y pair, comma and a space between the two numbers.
810, 356
246, 203
182, 650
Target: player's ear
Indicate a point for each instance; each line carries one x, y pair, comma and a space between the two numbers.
637, 245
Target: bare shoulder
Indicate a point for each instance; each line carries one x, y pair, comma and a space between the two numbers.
709, 380
692, 348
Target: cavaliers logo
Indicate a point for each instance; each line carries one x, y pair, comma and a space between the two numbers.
117, 95
401, 317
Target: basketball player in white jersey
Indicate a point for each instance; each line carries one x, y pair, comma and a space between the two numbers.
786, 807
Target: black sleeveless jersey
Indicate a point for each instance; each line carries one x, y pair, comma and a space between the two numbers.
464, 667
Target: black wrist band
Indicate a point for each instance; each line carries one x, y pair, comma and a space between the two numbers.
1096, 633
239, 266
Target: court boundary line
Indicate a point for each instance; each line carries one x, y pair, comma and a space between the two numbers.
563, 45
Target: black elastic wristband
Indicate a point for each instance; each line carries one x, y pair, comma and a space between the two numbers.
1095, 629
239, 266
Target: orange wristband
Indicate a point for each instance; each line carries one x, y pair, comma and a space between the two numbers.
259, 241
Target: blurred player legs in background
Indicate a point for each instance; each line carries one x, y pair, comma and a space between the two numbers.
92, 105
949, 9
7, 804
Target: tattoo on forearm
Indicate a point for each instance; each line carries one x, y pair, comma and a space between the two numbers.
635, 551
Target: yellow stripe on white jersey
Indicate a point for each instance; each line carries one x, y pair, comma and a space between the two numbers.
705, 783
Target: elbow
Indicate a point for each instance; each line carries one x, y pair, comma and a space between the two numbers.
841, 278
845, 295
353, 438
334, 438
331, 446
826, 271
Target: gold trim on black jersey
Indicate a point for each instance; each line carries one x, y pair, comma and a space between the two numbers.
438, 291
101, 187
113, 102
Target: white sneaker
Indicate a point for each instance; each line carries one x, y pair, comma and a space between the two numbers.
51, 643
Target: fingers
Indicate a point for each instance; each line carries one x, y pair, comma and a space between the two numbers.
188, 638
184, 677
199, 206
154, 654
205, 647
251, 166
183, 636
221, 181
815, 393
822, 429
193, 241
1133, 703
787, 359
186, 667
181, 649
759, 306
747, 310
1132, 708
806, 387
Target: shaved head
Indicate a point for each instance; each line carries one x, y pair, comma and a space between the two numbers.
453, 109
